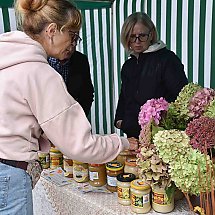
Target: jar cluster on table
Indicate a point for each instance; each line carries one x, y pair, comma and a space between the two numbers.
119, 175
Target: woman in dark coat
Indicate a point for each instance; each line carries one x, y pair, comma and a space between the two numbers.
152, 71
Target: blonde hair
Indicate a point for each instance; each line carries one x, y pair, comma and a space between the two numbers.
34, 15
131, 21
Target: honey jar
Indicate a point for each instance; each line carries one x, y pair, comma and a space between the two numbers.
113, 169
56, 158
68, 167
97, 173
123, 187
131, 166
123, 156
140, 196
44, 159
80, 171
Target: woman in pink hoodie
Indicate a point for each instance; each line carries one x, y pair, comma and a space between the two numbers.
33, 98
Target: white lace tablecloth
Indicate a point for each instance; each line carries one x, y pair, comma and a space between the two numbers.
50, 199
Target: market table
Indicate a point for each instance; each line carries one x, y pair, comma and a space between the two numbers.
50, 199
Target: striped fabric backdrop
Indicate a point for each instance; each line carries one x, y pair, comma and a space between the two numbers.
187, 27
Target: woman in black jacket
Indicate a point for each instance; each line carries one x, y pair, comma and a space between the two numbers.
153, 71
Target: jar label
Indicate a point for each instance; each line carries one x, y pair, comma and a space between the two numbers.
44, 161
56, 162
159, 198
111, 181
68, 169
123, 193
94, 176
80, 175
139, 201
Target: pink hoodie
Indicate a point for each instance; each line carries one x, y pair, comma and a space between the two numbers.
33, 97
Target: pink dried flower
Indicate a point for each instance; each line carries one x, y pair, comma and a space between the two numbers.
200, 101
152, 110
202, 133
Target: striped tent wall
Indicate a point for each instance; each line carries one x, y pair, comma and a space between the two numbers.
187, 27
96, 33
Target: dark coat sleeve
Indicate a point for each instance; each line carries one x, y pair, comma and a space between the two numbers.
79, 82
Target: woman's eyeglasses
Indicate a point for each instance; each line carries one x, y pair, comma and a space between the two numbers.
74, 37
141, 37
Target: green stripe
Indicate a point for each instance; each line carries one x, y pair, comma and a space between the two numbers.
168, 23
110, 68
104, 111
88, 5
125, 5
6, 3
212, 83
201, 42
94, 70
158, 17
190, 39
179, 29
143, 6
6, 19
118, 44
149, 8
133, 6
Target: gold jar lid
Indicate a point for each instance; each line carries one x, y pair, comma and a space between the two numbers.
138, 184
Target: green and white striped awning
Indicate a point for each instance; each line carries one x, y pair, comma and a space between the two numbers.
187, 27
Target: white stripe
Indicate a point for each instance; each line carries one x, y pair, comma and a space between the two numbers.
207, 51
196, 21
129, 7
163, 21
1, 22
90, 58
139, 7
106, 72
146, 2
115, 62
99, 78
184, 48
80, 46
153, 11
12, 17
173, 25
122, 50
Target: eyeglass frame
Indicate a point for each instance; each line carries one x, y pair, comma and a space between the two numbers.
74, 37
138, 37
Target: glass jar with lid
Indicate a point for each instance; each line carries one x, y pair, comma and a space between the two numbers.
56, 158
140, 196
80, 171
131, 166
113, 169
160, 201
44, 159
123, 187
123, 156
97, 173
